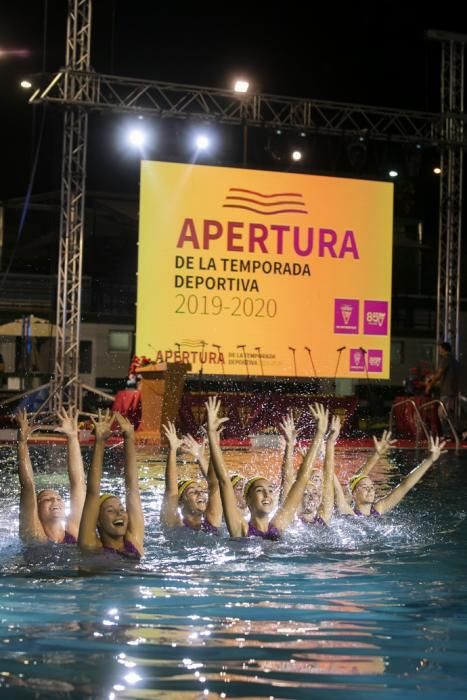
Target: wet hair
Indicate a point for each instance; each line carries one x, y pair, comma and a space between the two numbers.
182, 486
42, 491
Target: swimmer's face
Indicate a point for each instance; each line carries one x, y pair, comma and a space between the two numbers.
113, 518
195, 498
50, 506
261, 497
316, 481
311, 500
364, 492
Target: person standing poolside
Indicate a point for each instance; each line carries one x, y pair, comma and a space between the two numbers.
42, 518
187, 503
447, 376
105, 524
363, 490
258, 491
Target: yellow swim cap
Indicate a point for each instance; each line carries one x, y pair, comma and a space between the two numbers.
250, 483
104, 496
183, 484
235, 478
355, 480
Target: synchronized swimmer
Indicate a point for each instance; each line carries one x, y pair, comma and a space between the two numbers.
100, 522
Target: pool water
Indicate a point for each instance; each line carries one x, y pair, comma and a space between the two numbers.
368, 608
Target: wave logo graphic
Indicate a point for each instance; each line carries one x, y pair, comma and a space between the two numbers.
265, 204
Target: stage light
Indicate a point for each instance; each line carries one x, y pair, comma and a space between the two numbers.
296, 155
241, 85
202, 142
437, 170
26, 84
393, 173
137, 137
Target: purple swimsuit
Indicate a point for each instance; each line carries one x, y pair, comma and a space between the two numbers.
317, 520
272, 533
205, 527
129, 550
373, 512
69, 539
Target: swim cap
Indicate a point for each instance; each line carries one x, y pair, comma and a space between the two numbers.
250, 483
104, 496
235, 478
355, 480
183, 484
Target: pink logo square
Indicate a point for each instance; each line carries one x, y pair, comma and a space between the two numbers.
357, 360
346, 315
375, 318
375, 360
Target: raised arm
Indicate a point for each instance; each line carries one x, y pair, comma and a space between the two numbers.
341, 503
286, 512
69, 427
384, 505
236, 524
382, 447
214, 505
327, 500
287, 428
196, 449
30, 528
169, 509
135, 531
87, 538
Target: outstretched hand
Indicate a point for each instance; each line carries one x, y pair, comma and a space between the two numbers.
193, 447
435, 448
334, 429
25, 428
213, 406
288, 429
385, 444
126, 426
171, 435
68, 422
103, 424
321, 415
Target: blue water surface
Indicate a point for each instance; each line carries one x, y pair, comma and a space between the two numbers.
369, 608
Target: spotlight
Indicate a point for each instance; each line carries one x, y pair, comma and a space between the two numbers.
26, 84
437, 170
202, 142
137, 137
393, 173
296, 155
241, 85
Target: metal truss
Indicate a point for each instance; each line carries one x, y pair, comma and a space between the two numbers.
450, 203
65, 385
78, 89
170, 100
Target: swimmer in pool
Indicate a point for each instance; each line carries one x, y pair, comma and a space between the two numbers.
188, 503
363, 490
259, 491
318, 497
105, 524
42, 518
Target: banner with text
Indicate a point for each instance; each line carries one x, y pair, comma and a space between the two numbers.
248, 272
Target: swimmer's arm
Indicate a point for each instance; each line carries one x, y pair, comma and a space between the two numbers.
287, 511
236, 524
170, 517
382, 447
69, 426
327, 501
196, 449
87, 537
287, 427
342, 505
214, 507
30, 527
135, 532
384, 505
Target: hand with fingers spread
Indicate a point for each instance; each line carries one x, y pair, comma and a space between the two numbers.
25, 428
170, 433
334, 429
193, 447
103, 425
321, 415
68, 422
126, 426
383, 446
213, 406
436, 448
288, 429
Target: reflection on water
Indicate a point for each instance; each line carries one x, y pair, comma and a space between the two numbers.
367, 608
